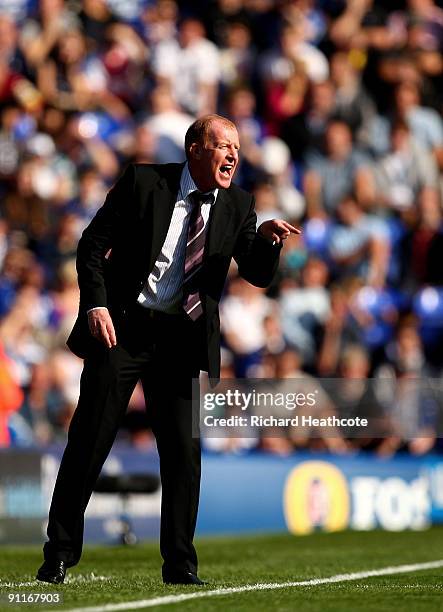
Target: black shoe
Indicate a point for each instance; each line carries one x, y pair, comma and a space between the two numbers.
185, 578
52, 571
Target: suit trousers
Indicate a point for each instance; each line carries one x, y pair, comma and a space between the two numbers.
163, 352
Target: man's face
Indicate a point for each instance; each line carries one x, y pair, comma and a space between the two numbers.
216, 160
338, 140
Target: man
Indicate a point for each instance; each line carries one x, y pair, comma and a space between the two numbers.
151, 269
189, 64
341, 169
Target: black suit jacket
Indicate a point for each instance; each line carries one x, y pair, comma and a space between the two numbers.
119, 248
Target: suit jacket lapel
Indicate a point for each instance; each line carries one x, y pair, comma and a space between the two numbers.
160, 212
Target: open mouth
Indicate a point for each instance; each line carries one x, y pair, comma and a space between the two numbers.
226, 170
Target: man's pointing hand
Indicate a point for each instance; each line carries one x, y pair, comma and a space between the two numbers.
277, 230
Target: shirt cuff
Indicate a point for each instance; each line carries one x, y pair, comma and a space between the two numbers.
97, 308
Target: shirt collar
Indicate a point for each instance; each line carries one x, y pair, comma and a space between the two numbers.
187, 185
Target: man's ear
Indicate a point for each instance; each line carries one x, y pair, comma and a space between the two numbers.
195, 150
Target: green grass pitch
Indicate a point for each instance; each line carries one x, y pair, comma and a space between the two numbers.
121, 574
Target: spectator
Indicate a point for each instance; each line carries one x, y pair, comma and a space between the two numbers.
10, 399
355, 396
293, 50
124, 58
91, 193
17, 260
314, 20
243, 313
95, 17
10, 49
304, 310
405, 353
415, 411
338, 331
39, 36
72, 80
87, 146
144, 145
431, 226
405, 170
342, 169
291, 378
16, 89
305, 130
241, 109
168, 124
426, 125
266, 203
352, 103
359, 244
41, 405
237, 55
160, 21
285, 99
276, 163
65, 297
191, 67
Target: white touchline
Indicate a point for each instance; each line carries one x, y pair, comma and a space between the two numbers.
171, 599
69, 580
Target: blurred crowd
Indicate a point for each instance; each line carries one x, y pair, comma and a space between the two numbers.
338, 104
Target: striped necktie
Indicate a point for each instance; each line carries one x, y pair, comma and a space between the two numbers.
195, 246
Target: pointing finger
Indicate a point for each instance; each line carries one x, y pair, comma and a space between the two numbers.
291, 228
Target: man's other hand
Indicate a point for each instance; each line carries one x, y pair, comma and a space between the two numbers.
277, 230
102, 327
